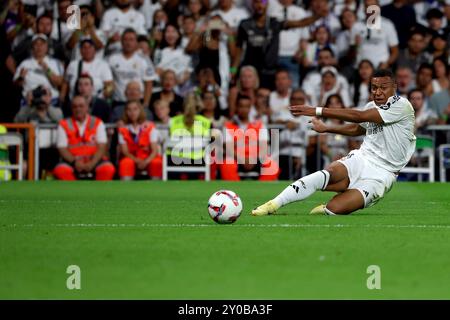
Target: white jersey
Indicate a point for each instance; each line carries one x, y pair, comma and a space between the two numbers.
136, 68
391, 144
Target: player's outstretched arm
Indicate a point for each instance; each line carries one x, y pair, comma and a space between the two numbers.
349, 115
349, 129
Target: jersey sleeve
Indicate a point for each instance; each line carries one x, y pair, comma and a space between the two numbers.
394, 110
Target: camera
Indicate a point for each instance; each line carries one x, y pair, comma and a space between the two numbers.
37, 96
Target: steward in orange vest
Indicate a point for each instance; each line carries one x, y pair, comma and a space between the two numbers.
82, 144
244, 139
138, 140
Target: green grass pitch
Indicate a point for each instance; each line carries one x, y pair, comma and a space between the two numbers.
155, 240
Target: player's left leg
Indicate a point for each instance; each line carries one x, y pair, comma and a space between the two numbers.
335, 175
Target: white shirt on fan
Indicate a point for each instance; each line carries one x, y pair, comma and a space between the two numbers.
289, 39
233, 16
391, 144
115, 20
136, 68
37, 76
375, 45
98, 69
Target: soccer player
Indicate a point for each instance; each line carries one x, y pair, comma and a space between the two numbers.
365, 175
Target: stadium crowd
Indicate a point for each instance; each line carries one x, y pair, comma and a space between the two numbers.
148, 64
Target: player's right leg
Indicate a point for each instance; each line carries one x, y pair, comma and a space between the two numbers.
333, 178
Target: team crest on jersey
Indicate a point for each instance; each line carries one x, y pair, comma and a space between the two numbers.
390, 103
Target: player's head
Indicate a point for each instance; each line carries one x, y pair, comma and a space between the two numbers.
382, 86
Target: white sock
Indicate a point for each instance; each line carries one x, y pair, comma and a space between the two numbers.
328, 212
304, 187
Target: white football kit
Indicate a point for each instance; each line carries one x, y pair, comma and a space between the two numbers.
386, 149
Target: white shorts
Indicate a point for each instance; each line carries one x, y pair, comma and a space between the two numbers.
373, 182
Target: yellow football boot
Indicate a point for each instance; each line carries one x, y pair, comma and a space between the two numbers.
270, 207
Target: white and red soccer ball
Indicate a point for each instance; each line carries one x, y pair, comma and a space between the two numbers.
224, 206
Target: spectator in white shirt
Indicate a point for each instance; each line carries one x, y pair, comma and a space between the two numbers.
424, 115
380, 46
313, 80
172, 56
285, 10
128, 66
328, 18
329, 86
360, 88
87, 31
60, 30
309, 52
119, 18
279, 98
96, 68
405, 80
40, 69
343, 39
230, 13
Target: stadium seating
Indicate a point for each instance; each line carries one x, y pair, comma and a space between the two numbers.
425, 149
186, 145
444, 161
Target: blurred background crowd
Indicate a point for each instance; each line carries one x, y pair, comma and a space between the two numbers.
144, 65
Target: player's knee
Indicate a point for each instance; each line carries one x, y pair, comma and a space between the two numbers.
333, 207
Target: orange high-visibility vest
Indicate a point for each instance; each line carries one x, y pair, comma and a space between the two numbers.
81, 146
140, 145
245, 141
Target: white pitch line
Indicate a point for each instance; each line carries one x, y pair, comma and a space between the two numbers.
183, 225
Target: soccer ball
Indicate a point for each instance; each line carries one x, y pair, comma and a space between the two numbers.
224, 206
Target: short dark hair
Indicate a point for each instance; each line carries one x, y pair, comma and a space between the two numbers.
129, 30
434, 13
242, 97
410, 92
282, 70
380, 73
425, 65
329, 50
415, 31
48, 16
